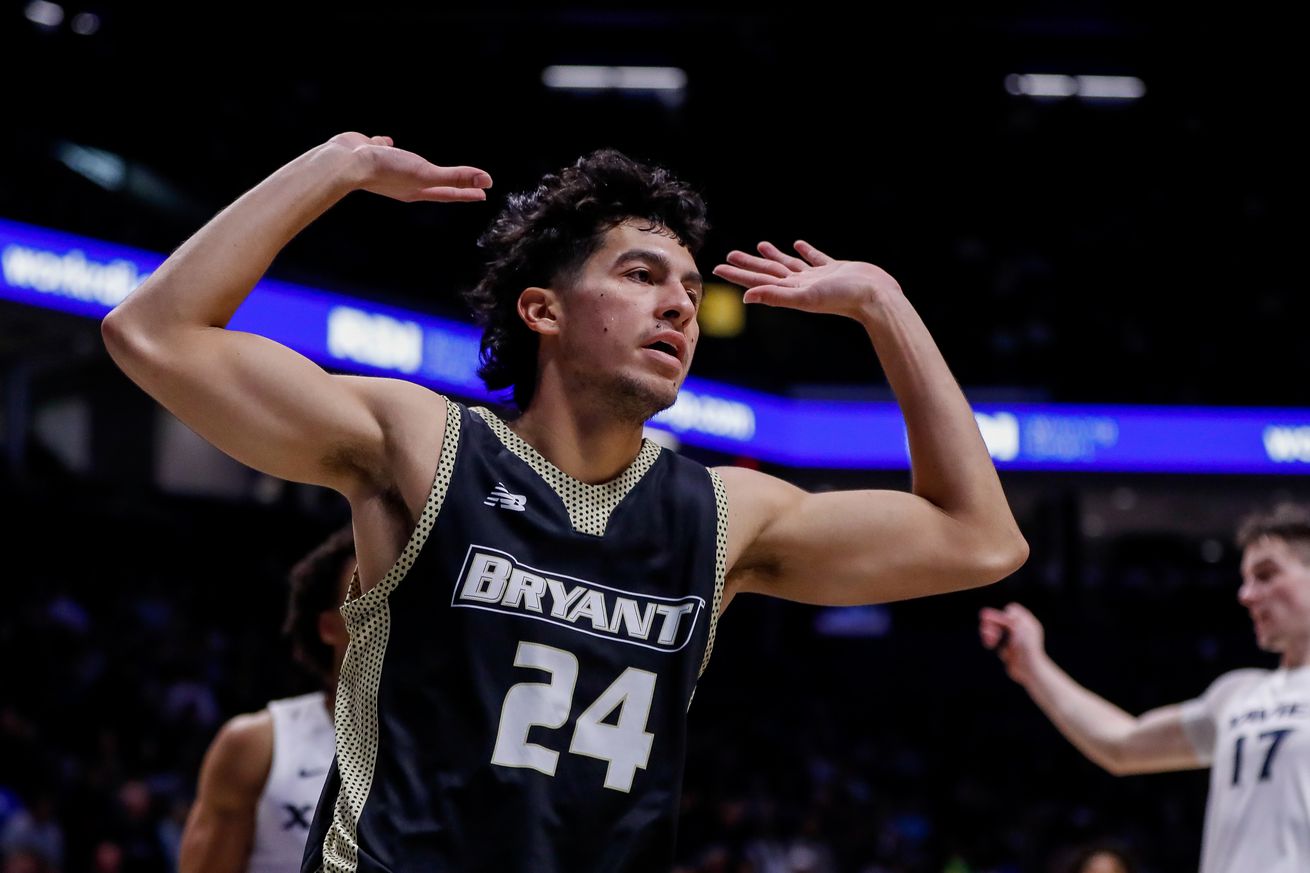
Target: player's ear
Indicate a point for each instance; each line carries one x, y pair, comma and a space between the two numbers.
332, 628
539, 309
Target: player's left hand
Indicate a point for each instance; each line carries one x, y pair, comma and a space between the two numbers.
814, 282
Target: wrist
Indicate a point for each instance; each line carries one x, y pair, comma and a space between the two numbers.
345, 167
879, 304
1035, 668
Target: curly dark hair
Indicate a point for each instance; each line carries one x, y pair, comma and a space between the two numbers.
543, 237
315, 587
1287, 521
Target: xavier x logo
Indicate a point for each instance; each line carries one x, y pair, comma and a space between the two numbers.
299, 816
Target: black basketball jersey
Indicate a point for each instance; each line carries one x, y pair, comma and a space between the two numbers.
515, 692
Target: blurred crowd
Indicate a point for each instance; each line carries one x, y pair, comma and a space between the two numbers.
131, 632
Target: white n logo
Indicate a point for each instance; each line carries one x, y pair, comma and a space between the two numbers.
500, 496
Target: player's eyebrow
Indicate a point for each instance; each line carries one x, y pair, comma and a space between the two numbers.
657, 258
1262, 564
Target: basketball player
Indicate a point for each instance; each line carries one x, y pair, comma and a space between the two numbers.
264, 771
1251, 728
537, 597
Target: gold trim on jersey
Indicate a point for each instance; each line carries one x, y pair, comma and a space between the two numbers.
589, 506
368, 618
720, 564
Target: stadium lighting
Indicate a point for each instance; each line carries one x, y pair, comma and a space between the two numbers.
85, 23
44, 14
596, 78
1058, 87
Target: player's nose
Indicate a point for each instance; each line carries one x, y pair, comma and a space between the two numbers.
675, 305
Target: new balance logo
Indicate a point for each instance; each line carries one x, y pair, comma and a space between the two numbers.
501, 497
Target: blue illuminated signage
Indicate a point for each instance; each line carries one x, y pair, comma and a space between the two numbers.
87, 277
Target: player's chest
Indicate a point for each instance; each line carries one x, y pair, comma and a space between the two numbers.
1264, 736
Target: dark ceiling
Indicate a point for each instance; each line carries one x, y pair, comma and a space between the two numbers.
1138, 252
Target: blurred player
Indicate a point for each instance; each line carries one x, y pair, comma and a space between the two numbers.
264, 772
1251, 728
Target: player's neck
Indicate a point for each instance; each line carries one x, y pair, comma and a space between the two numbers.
581, 439
1297, 654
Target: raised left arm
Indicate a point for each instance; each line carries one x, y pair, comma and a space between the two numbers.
954, 531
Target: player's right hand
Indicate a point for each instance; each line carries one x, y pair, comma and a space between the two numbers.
1017, 637
380, 167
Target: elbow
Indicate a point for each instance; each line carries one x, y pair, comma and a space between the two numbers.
1114, 756
1015, 554
1116, 765
124, 339
1000, 559
116, 333
1110, 760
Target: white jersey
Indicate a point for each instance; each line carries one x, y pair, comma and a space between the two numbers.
303, 745
1253, 728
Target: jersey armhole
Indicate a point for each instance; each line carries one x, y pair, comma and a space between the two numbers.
358, 603
720, 564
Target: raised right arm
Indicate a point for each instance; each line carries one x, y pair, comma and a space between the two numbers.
260, 402
1120, 743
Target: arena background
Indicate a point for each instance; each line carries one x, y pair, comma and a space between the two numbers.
1063, 250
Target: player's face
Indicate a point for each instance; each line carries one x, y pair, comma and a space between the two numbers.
1276, 591
628, 321
331, 626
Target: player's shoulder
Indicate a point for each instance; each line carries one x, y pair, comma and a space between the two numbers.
246, 732
1235, 682
752, 487
241, 754
295, 702
411, 420
398, 401
755, 501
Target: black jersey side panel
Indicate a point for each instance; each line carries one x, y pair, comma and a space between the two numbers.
533, 691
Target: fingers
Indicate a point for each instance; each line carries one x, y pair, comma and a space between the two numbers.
993, 628
1018, 613
467, 177
811, 254
760, 287
453, 184
773, 253
382, 141
454, 177
759, 265
769, 295
744, 277
452, 195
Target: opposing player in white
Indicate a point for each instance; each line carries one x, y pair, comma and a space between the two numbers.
265, 770
1251, 727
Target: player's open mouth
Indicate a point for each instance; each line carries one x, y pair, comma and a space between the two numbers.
665, 348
